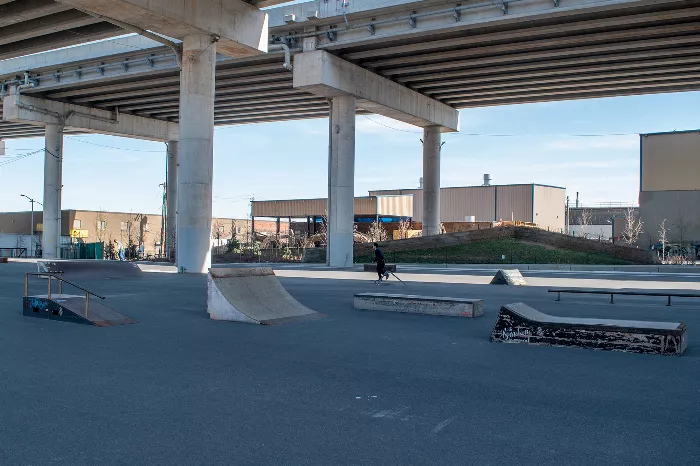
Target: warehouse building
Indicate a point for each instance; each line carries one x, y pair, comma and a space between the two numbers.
669, 187
541, 205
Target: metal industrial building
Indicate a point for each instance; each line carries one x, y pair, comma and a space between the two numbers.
533, 203
669, 187
390, 208
538, 204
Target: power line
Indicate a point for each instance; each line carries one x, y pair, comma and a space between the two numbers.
8, 159
111, 147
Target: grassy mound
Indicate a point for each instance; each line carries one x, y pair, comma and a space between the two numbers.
496, 251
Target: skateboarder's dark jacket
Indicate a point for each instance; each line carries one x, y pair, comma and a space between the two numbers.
378, 256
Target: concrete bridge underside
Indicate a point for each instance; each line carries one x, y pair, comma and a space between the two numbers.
620, 49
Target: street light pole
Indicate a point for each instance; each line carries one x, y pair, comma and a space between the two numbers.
31, 229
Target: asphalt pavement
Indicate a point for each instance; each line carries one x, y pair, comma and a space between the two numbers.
354, 388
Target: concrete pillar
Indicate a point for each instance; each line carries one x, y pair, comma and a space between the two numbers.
431, 180
2, 147
196, 154
53, 167
171, 193
341, 182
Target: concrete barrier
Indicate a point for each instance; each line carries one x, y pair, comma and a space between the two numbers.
413, 304
519, 323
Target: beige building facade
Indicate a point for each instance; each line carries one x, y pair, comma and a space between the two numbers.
126, 227
542, 205
669, 187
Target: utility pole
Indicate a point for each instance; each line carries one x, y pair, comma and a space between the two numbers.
567, 221
31, 229
163, 214
252, 223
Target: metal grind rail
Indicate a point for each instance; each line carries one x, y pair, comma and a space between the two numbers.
59, 277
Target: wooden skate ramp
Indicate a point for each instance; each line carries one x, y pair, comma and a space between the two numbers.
252, 295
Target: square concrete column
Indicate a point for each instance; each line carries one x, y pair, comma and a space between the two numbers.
171, 200
2, 147
341, 182
196, 154
53, 173
431, 180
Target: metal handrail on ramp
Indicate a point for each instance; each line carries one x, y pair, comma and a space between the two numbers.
59, 277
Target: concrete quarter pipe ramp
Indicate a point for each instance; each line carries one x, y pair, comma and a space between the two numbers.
252, 295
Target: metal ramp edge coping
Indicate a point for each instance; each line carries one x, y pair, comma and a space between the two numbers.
519, 323
69, 308
222, 307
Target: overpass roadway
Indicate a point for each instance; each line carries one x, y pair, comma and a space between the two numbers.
469, 55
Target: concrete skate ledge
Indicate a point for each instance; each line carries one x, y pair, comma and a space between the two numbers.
414, 304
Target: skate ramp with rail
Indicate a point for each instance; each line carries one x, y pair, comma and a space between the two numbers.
73, 308
90, 269
252, 295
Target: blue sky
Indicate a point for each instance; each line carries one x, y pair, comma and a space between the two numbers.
288, 160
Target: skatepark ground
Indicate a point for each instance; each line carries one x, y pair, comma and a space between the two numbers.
355, 388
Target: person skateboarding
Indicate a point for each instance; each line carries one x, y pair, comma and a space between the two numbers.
379, 259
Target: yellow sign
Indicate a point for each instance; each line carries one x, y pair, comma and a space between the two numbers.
78, 233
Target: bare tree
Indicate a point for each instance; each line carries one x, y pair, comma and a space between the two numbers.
404, 226
377, 232
632, 228
663, 238
20, 242
682, 225
218, 231
585, 220
100, 226
323, 230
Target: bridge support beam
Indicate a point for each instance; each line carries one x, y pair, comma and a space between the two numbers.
431, 180
171, 200
341, 182
196, 154
53, 168
241, 27
20, 108
326, 75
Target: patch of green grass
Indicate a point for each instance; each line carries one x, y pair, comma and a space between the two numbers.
492, 252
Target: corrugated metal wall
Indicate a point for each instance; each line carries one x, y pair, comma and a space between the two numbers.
457, 203
491, 203
669, 161
301, 208
396, 206
550, 208
514, 203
